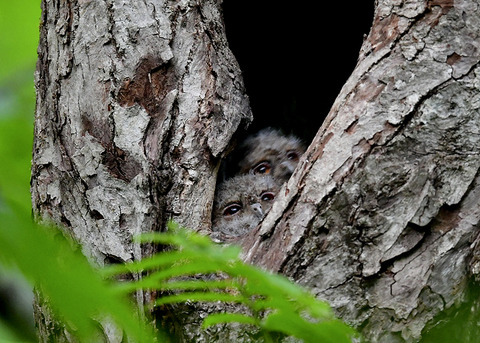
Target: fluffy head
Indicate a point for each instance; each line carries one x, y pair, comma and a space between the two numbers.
241, 203
271, 152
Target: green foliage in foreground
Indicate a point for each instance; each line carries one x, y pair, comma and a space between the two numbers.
78, 293
19, 21
275, 303
60, 271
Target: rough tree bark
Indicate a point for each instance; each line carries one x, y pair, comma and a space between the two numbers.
381, 217
139, 100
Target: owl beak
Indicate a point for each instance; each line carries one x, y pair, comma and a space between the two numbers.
257, 208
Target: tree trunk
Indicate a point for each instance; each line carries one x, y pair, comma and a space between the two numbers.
380, 216
137, 102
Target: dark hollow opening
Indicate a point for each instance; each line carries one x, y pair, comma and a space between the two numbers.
295, 57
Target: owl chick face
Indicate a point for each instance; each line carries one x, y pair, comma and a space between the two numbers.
271, 152
241, 203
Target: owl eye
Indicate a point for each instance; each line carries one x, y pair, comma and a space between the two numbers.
262, 168
232, 209
292, 155
267, 196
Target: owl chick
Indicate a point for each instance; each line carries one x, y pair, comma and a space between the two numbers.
271, 152
241, 203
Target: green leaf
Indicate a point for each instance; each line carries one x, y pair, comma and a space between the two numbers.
289, 308
326, 332
157, 279
192, 242
19, 21
62, 274
158, 261
8, 333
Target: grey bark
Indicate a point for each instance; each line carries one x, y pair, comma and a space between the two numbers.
382, 214
138, 101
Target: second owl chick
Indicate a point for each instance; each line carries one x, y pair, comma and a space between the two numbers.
271, 152
241, 203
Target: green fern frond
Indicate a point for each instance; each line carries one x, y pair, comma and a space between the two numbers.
277, 304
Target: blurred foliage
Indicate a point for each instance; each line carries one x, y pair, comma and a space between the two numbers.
19, 22
197, 270
460, 322
62, 274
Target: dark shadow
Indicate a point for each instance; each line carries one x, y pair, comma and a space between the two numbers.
295, 57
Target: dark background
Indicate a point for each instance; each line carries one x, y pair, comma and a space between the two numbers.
295, 57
